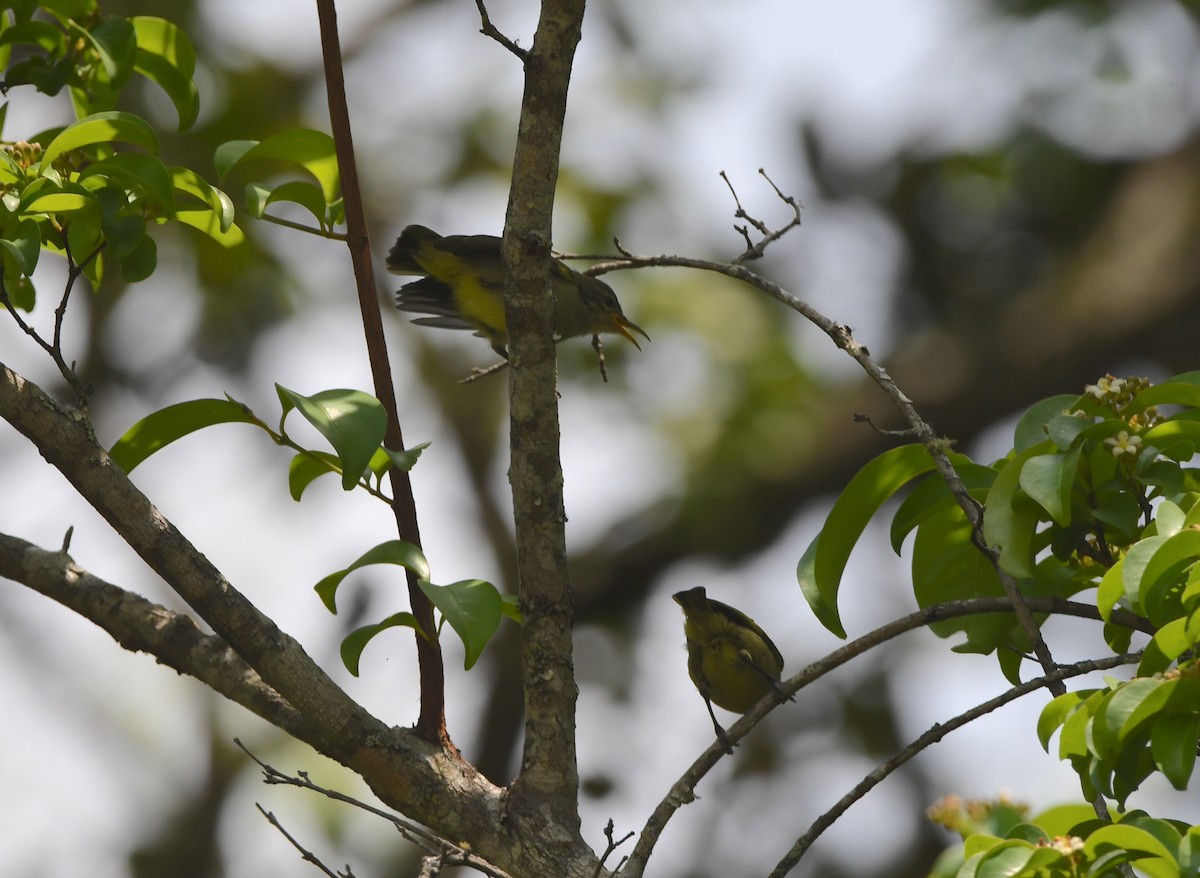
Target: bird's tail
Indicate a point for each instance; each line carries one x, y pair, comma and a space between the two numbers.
430, 296
401, 258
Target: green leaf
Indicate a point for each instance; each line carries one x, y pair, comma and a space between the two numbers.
113, 41
230, 237
23, 245
1172, 392
352, 421
472, 607
311, 150
1032, 427
1064, 430
1173, 746
173, 422
306, 467
931, 496
820, 570
48, 196
1048, 479
947, 566
1063, 819
1134, 566
1111, 589
306, 195
42, 34
1056, 712
398, 552
190, 183
806, 575
406, 459
1168, 519
140, 262
1162, 576
1009, 519
228, 154
165, 56
1126, 838
143, 175
1122, 714
107, 127
64, 10
1183, 426
511, 607
356, 641
1168, 643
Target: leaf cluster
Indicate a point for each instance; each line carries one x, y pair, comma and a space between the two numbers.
1099, 492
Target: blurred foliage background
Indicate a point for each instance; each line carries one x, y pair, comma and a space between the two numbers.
1002, 200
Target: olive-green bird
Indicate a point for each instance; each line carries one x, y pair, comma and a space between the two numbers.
730, 659
463, 288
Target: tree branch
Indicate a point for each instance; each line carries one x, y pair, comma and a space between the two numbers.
546, 792
931, 737
139, 625
921, 429
414, 776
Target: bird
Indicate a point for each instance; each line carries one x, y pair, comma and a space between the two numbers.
462, 287
731, 660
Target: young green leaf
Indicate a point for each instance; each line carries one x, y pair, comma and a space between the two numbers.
352, 421
406, 459
356, 641
107, 127
23, 244
399, 552
472, 607
173, 422
1009, 519
306, 467
165, 56
1173, 746
311, 150
1048, 480
1032, 427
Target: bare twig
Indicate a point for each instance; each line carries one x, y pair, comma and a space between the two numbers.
841, 336
895, 434
483, 372
598, 347
305, 854
613, 844
490, 30
432, 844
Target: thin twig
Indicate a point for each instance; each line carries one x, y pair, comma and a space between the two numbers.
305, 854
431, 843
490, 30
841, 336
612, 845
484, 371
598, 347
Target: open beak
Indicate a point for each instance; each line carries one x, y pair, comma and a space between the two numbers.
621, 326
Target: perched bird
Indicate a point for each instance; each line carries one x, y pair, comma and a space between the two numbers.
730, 659
463, 288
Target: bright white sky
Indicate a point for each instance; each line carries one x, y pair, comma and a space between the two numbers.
871, 74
